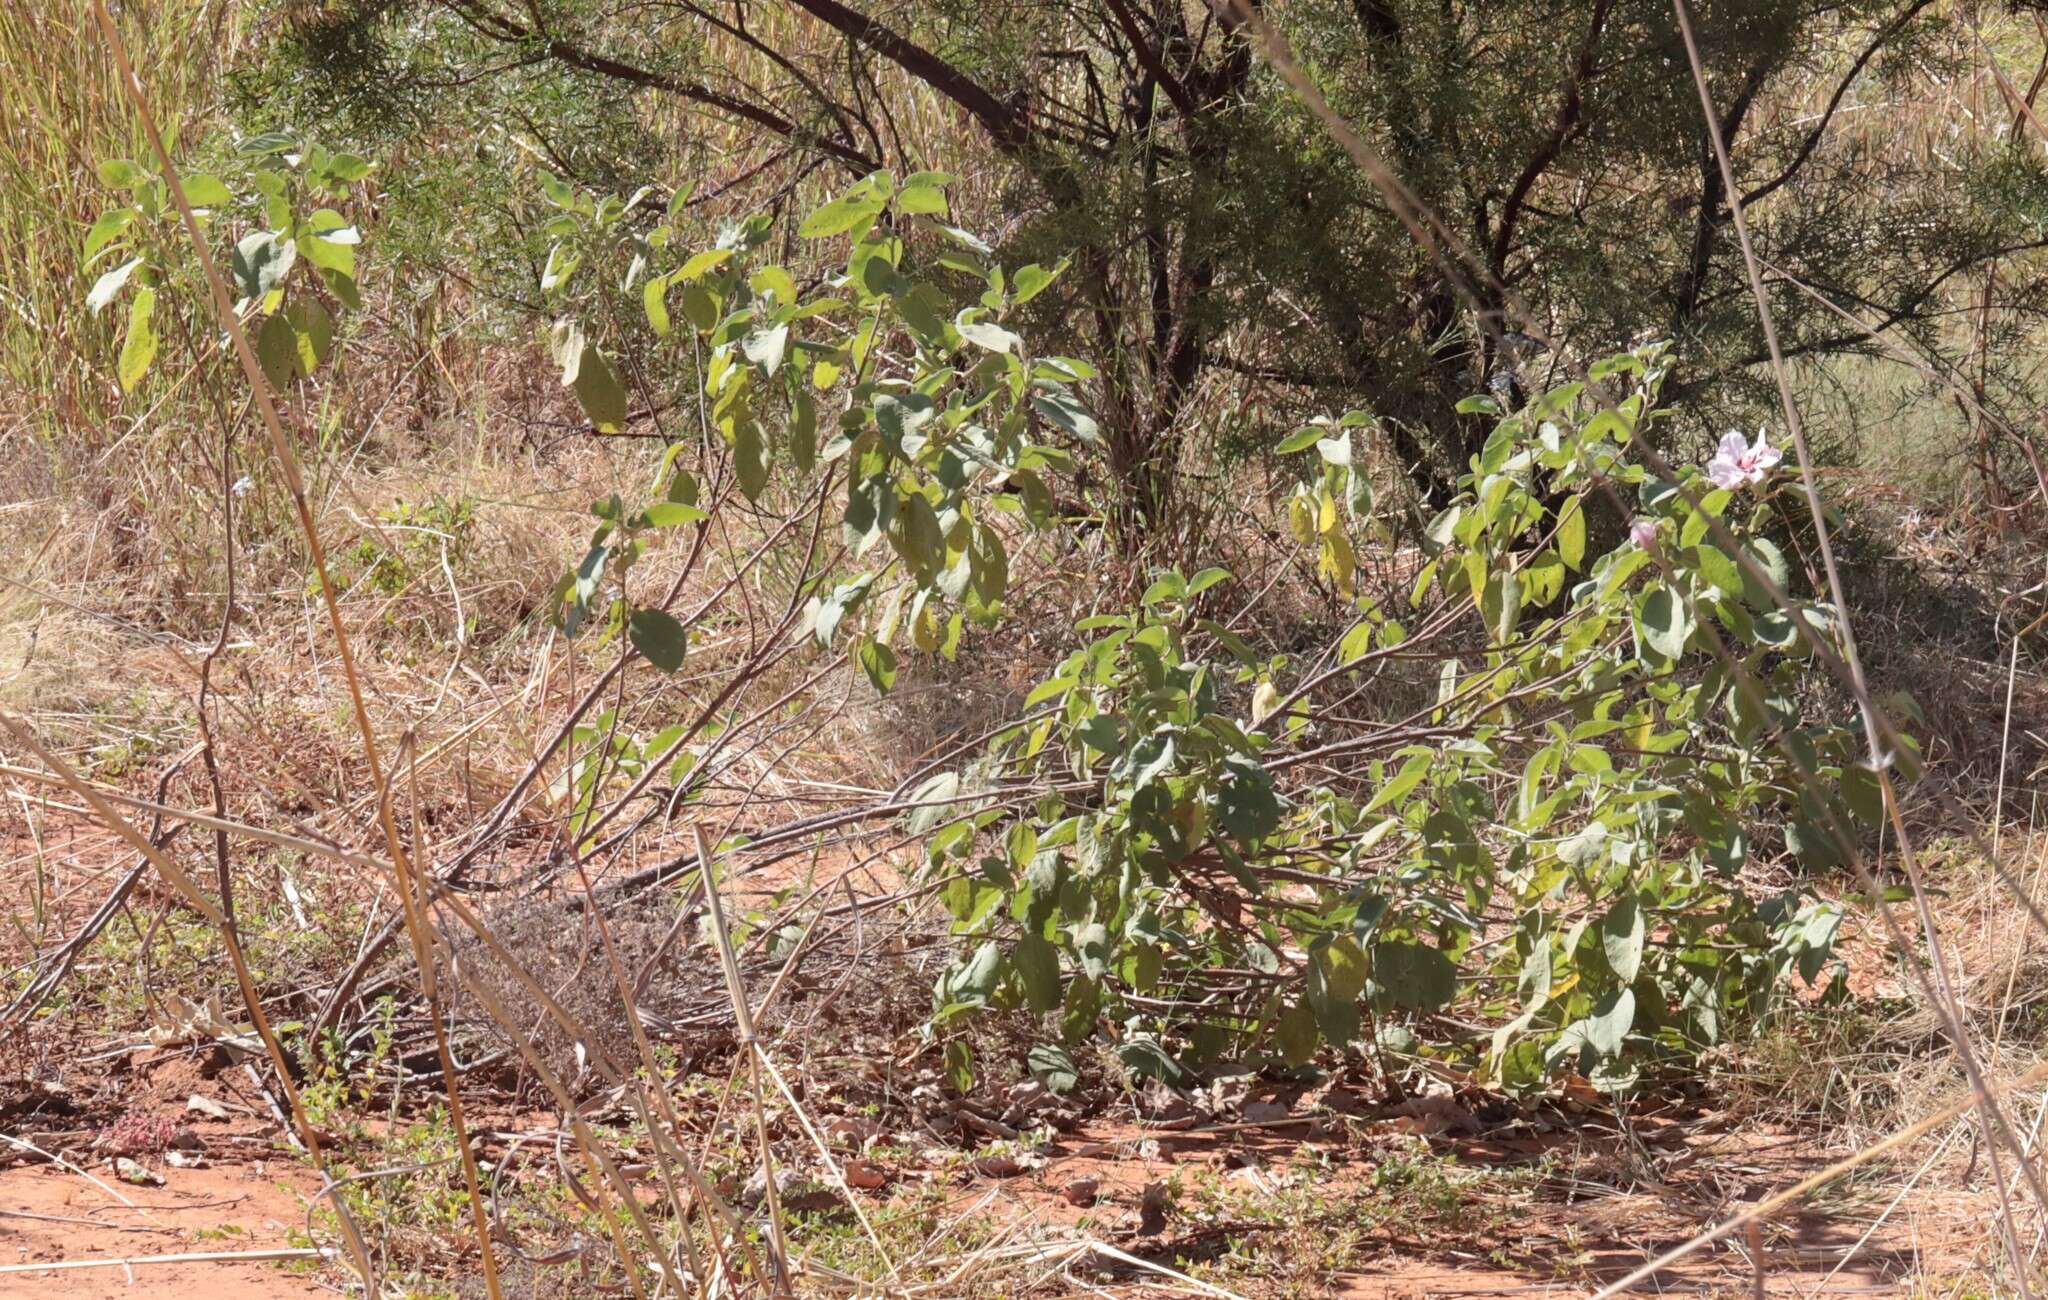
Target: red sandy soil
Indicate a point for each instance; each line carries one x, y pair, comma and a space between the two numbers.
49, 1214
1621, 1200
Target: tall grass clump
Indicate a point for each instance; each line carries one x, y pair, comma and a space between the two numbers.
63, 113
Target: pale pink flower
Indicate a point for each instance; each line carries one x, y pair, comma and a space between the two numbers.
1642, 532
1738, 460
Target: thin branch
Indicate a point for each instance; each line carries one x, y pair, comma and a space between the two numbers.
1813, 137
1570, 118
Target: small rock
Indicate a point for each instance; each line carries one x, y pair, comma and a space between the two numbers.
186, 1159
1153, 1206
1081, 1191
794, 1192
1430, 1115
1264, 1112
852, 1132
1163, 1104
206, 1106
1009, 1166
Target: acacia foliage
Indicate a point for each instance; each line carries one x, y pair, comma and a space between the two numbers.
1220, 239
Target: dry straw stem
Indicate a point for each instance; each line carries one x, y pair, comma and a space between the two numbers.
278, 1255
259, 387
99, 796
743, 1018
1989, 1114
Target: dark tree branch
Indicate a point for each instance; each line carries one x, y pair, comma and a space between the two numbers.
1570, 118
1155, 68
738, 31
1813, 137
1713, 210
503, 28
1007, 127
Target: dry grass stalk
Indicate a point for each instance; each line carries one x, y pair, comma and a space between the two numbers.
410, 891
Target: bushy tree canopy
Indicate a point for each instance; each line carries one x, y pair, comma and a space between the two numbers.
1218, 236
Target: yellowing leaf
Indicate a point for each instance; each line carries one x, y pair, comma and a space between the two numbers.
598, 389
138, 349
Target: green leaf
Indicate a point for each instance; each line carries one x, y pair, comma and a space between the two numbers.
1344, 969
1296, 1035
926, 199
1145, 1058
966, 238
206, 191
1051, 1066
1571, 534
348, 168
902, 417
674, 514
1621, 938
277, 347
1247, 806
1169, 587
750, 458
856, 207
1772, 561
334, 250
1038, 967
1411, 775
121, 174
1062, 409
774, 281
313, 332
333, 227
1606, 1029
1585, 848
260, 261
341, 286
266, 143
1300, 440
701, 265
765, 348
987, 334
1813, 844
138, 349
1356, 642
110, 224
598, 390
878, 661
960, 1066
988, 565
659, 637
1030, 281
1079, 1009
980, 974
917, 537
1090, 940
654, 298
1414, 975
1665, 621
1204, 580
